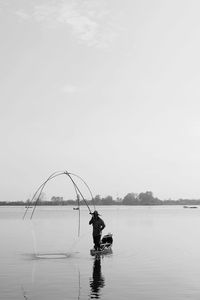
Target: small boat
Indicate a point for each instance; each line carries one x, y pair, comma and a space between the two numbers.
105, 246
75, 208
190, 206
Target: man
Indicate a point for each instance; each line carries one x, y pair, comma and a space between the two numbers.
98, 225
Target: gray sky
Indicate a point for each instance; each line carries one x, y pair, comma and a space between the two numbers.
106, 89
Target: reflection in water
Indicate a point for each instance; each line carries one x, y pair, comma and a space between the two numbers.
97, 281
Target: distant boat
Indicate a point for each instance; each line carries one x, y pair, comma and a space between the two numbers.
76, 208
185, 206
28, 206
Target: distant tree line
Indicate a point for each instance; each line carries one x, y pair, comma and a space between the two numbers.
146, 198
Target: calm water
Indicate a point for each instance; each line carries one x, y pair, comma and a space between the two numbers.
156, 254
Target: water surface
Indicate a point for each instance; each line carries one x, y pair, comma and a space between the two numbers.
156, 254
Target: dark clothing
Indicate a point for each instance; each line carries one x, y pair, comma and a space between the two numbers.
98, 225
96, 240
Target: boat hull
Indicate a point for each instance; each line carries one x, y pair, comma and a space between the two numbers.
107, 250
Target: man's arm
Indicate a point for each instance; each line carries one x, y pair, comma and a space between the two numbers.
91, 221
102, 225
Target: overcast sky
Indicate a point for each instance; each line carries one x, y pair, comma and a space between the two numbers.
107, 89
